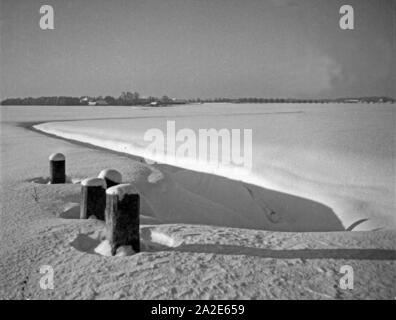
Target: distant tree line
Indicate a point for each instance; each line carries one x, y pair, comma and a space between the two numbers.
125, 99
46, 101
292, 100
135, 99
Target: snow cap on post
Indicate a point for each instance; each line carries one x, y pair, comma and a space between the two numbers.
57, 157
121, 190
94, 182
111, 176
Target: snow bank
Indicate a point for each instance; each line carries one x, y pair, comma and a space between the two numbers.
197, 198
339, 156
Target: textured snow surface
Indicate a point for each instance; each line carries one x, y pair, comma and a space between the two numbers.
183, 257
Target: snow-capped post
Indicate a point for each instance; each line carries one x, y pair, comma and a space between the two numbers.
122, 217
93, 198
57, 168
111, 176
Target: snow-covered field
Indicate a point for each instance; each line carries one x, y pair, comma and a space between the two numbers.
342, 156
205, 236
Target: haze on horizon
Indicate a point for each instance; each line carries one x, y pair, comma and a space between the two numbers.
201, 48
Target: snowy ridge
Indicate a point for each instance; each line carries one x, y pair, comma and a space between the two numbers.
328, 155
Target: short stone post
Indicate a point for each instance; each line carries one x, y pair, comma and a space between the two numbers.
111, 176
122, 217
57, 168
93, 198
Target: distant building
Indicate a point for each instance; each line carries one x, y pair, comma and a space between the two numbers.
93, 102
84, 100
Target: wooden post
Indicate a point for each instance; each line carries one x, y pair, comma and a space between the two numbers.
93, 198
57, 168
122, 217
111, 176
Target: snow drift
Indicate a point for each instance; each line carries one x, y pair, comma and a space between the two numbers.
337, 160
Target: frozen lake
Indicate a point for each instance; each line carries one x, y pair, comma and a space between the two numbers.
341, 155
